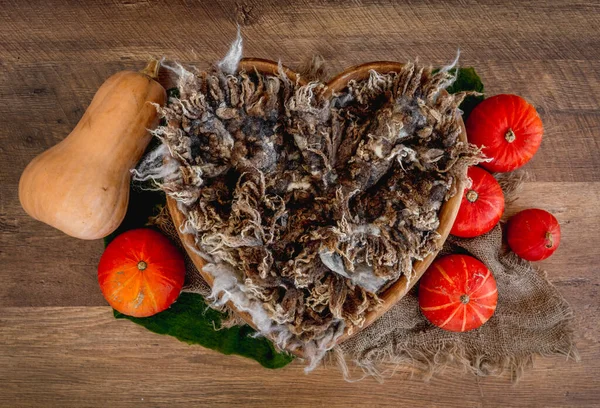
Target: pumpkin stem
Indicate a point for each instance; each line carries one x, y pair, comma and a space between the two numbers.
549, 240
510, 136
142, 265
472, 196
464, 299
152, 68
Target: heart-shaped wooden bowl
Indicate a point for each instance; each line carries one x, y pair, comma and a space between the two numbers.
447, 214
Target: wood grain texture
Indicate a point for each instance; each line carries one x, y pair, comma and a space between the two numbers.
60, 346
81, 356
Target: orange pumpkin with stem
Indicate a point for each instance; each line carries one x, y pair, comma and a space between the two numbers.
141, 273
481, 207
508, 129
458, 293
533, 234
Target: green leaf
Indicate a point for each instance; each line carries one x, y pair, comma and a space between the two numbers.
467, 80
192, 321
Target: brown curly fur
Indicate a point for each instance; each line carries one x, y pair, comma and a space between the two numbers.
317, 202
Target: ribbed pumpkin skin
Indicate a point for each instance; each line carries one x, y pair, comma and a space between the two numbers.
146, 289
481, 207
81, 185
508, 129
458, 293
533, 234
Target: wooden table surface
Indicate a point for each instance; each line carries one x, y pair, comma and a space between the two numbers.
59, 344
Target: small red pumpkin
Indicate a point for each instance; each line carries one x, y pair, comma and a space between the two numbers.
508, 129
141, 273
481, 207
458, 293
533, 234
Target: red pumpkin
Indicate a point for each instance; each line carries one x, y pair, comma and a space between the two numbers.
533, 234
458, 293
481, 207
508, 129
141, 273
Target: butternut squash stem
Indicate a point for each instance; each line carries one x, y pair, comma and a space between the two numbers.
152, 68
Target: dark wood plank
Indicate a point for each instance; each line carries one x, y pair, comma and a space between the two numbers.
80, 357
397, 30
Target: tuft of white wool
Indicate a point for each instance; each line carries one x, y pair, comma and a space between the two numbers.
185, 78
376, 80
363, 274
157, 166
454, 63
230, 63
446, 68
281, 73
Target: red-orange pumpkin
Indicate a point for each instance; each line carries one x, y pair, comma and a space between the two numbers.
508, 129
533, 234
458, 293
481, 207
141, 273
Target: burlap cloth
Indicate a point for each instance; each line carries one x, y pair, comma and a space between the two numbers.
532, 318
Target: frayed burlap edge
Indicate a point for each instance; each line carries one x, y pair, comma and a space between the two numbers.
428, 360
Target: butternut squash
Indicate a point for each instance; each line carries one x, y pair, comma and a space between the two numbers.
81, 185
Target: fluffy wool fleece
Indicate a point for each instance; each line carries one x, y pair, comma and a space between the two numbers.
307, 205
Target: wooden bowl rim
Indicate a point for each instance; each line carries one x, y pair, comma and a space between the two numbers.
447, 213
